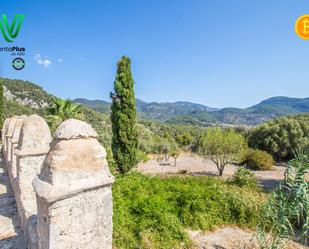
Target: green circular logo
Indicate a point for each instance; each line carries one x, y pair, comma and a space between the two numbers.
18, 63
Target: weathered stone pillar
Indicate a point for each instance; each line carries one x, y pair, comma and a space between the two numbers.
74, 194
4, 127
12, 170
32, 148
4, 132
8, 136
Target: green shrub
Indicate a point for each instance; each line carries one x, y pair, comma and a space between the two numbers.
281, 137
259, 160
154, 212
142, 156
244, 178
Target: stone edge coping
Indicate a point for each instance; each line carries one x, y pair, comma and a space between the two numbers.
52, 193
31, 152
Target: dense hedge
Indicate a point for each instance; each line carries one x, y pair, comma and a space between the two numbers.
153, 212
259, 160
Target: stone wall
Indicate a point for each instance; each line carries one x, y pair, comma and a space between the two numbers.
62, 186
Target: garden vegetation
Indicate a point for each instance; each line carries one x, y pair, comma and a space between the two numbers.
281, 137
154, 212
258, 160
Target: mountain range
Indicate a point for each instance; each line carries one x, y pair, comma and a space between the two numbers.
191, 113
28, 94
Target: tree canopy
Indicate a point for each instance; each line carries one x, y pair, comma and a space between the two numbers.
222, 147
281, 137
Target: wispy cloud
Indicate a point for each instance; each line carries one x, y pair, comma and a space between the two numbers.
41, 61
60, 60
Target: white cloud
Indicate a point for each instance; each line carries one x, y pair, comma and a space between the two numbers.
41, 61
60, 60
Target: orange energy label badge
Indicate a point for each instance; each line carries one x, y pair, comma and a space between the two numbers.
302, 27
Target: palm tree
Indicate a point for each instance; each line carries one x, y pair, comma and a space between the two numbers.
61, 110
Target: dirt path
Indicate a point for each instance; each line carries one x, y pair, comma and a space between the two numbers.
193, 164
11, 236
229, 238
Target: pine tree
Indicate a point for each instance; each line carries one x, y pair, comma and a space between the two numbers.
124, 141
1, 105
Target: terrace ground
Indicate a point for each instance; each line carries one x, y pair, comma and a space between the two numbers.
193, 164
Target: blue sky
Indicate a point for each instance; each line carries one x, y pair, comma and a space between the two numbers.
219, 53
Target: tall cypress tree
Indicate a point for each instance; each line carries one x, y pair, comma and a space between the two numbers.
124, 141
1, 105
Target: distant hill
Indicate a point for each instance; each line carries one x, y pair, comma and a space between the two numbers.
197, 114
265, 110
98, 105
27, 94
282, 105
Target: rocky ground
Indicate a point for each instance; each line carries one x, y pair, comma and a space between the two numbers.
229, 238
11, 236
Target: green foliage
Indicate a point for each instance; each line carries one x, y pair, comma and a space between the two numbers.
184, 139
285, 215
244, 178
26, 90
165, 146
2, 114
142, 156
187, 137
223, 147
259, 160
60, 111
123, 117
200, 119
282, 136
153, 212
12, 108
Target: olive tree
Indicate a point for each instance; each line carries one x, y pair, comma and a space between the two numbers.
222, 147
167, 147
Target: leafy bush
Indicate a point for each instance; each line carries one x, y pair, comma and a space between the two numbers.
244, 178
282, 136
153, 212
259, 160
142, 156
